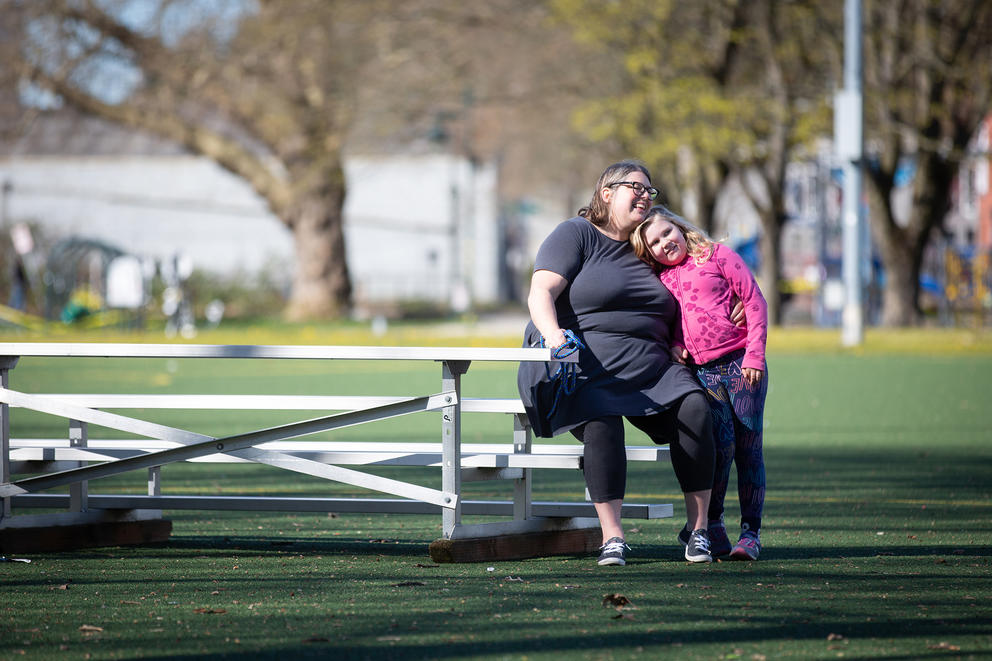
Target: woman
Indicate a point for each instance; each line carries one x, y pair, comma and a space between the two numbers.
588, 280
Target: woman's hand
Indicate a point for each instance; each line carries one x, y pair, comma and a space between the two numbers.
556, 339
680, 355
737, 313
752, 376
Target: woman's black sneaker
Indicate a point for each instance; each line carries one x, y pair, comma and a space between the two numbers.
613, 552
697, 549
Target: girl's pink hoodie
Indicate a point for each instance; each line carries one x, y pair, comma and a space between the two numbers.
705, 292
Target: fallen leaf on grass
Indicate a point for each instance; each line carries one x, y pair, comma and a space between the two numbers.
90, 628
617, 601
210, 611
944, 646
835, 636
64, 586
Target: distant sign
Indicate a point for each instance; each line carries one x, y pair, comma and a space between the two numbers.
20, 236
125, 286
848, 125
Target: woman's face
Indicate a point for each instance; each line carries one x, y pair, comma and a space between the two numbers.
627, 208
665, 242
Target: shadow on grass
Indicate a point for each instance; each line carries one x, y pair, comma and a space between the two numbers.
620, 641
648, 552
187, 547
771, 554
262, 547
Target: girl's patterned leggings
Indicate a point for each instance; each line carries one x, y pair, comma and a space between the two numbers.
738, 411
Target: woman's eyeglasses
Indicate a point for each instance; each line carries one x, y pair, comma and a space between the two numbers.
638, 188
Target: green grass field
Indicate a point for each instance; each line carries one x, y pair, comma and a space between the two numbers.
877, 534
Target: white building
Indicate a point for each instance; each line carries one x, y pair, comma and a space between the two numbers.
423, 227
417, 227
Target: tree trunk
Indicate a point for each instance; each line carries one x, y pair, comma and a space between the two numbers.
900, 291
902, 248
771, 258
711, 181
321, 283
770, 206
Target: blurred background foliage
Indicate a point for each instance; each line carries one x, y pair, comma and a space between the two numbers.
703, 92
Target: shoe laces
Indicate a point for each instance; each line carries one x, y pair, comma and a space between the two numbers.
750, 536
702, 541
615, 545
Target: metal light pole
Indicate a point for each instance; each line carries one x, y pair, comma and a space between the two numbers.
849, 144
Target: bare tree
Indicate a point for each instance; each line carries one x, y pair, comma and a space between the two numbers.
928, 84
267, 95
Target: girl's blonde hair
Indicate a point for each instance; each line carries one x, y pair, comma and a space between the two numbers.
698, 244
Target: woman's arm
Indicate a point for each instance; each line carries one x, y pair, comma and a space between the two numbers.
545, 287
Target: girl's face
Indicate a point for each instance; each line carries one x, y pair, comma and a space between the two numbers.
665, 242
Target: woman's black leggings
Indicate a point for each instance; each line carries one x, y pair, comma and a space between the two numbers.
686, 425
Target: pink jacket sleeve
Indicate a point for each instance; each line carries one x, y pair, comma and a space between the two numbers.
743, 284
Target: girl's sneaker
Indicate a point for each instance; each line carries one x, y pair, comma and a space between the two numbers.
748, 547
719, 542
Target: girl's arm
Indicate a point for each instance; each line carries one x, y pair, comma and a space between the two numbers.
545, 287
743, 284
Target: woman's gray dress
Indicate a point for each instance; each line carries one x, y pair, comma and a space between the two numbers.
619, 309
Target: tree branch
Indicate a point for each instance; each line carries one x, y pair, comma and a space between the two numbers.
196, 138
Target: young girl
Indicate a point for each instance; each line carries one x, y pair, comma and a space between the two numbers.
705, 277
